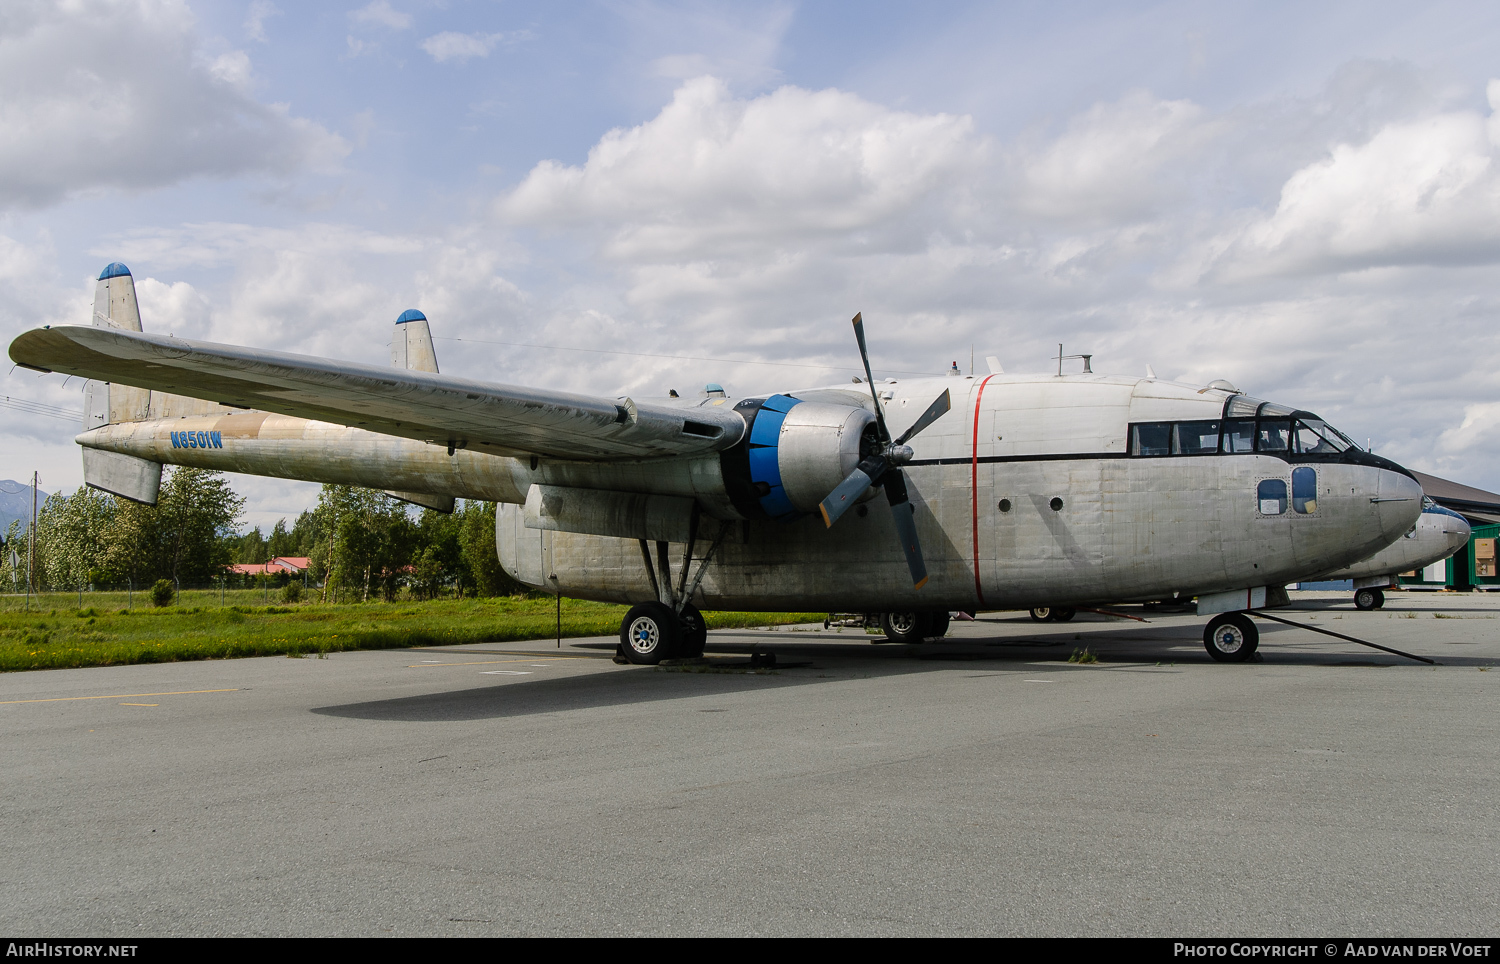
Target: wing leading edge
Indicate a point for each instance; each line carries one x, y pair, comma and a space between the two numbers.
442, 409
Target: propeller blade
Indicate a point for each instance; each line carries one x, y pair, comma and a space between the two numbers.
864, 356
935, 411
868, 473
906, 526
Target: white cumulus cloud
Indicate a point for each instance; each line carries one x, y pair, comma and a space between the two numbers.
120, 96
460, 46
381, 14
1421, 191
712, 171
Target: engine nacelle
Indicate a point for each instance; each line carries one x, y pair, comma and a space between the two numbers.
798, 452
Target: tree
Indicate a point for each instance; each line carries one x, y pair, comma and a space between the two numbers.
371, 541
477, 548
73, 533
186, 536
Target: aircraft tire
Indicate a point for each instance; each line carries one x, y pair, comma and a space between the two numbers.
694, 633
906, 627
1366, 599
938, 624
1231, 638
1041, 614
650, 633
1380, 599
1061, 614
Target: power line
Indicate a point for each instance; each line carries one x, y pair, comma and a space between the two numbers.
37, 408
647, 354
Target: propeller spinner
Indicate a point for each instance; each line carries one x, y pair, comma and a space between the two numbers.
882, 468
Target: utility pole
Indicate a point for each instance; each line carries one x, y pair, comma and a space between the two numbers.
31, 543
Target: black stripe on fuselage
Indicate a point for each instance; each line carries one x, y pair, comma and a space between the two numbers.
1361, 458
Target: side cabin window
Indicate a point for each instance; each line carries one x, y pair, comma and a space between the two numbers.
1195, 438
1274, 436
1239, 436
1305, 489
1271, 496
1151, 438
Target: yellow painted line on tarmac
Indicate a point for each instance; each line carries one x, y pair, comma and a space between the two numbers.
479, 662
121, 696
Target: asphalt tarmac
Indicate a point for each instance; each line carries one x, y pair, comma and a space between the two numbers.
982, 785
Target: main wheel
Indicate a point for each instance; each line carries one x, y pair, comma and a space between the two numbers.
1062, 614
1365, 598
939, 624
694, 633
905, 627
650, 633
1041, 614
1380, 599
1231, 637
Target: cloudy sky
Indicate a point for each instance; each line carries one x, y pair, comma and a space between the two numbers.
1303, 199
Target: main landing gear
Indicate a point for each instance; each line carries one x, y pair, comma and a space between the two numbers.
668, 627
1231, 637
652, 632
914, 627
1368, 599
1053, 614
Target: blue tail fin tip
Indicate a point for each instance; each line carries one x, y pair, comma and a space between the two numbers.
410, 314
114, 270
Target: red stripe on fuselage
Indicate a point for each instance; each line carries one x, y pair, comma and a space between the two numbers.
974, 486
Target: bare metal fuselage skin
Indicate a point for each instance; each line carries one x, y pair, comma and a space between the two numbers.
1025, 494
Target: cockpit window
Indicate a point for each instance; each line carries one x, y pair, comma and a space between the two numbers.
1272, 410
1274, 436
1315, 437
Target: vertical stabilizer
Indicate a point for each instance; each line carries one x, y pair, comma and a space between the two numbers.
411, 344
115, 307
411, 349
114, 299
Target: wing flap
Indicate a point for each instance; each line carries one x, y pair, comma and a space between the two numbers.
443, 409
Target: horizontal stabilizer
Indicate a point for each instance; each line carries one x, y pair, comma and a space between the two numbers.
124, 475
442, 409
437, 503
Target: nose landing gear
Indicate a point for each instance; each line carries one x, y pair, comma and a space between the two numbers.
1231, 638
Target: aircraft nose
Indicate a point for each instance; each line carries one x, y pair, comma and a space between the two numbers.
1457, 532
1399, 502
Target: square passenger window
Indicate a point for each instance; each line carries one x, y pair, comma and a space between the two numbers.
1151, 438
1195, 438
1271, 496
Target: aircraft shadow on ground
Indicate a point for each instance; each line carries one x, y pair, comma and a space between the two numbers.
531, 697
1123, 646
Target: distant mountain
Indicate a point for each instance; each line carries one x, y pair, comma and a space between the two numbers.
15, 503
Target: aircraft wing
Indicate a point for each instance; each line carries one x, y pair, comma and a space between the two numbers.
499, 419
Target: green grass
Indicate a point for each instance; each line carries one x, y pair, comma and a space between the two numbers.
56, 633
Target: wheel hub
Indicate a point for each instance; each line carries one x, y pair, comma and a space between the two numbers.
645, 636
1229, 640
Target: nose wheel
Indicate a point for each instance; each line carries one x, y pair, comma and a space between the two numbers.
1231, 638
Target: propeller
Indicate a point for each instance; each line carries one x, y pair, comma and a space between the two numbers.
882, 467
